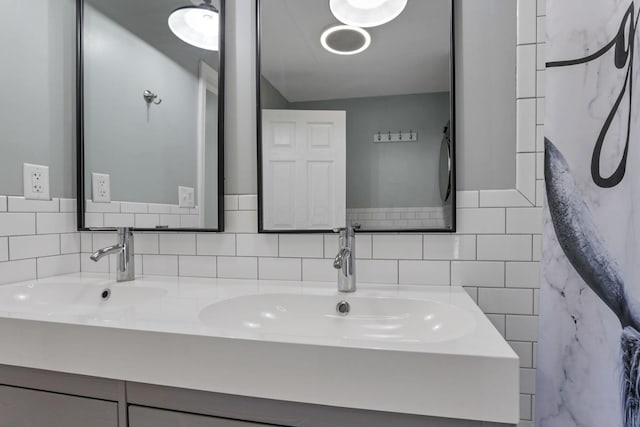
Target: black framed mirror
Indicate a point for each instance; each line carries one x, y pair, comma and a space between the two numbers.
150, 114
356, 116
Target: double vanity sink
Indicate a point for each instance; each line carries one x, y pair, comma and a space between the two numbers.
414, 350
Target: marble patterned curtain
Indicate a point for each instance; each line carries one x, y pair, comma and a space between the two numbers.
589, 335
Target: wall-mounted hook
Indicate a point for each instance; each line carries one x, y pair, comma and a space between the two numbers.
400, 135
379, 136
150, 97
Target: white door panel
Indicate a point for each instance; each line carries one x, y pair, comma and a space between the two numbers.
304, 169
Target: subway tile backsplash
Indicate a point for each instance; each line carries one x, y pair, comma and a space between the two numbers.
140, 215
390, 218
38, 238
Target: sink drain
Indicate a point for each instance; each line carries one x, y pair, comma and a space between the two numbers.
343, 307
106, 293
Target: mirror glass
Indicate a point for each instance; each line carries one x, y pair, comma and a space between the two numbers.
151, 109
356, 121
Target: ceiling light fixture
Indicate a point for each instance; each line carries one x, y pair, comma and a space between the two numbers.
345, 40
198, 25
366, 13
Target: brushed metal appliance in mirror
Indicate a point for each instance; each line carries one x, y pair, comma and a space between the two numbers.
356, 123
150, 114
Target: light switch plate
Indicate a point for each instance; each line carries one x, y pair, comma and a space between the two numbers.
36, 182
100, 187
186, 197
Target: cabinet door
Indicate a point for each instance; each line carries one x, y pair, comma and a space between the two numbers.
140, 416
30, 408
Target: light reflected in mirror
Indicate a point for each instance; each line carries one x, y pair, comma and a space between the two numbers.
356, 123
151, 114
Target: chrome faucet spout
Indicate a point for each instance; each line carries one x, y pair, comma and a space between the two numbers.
345, 260
124, 249
100, 253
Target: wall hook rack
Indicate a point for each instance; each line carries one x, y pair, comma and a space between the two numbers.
400, 136
150, 97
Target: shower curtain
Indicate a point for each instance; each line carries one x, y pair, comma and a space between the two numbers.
589, 329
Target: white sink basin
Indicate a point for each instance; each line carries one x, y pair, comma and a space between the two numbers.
72, 298
370, 319
409, 349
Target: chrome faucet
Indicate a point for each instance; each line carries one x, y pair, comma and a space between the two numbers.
345, 261
124, 249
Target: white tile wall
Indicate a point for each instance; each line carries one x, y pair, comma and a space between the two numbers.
144, 243
257, 245
197, 266
17, 271
4, 249
449, 247
377, 271
424, 272
238, 267
280, 268
394, 246
215, 244
161, 265
70, 243
57, 265
302, 245
178, 243
16, 224
142, 215
47, 223
38, 238
389, 218
318, 270
23, 247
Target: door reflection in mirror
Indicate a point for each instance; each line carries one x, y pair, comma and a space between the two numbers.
395, 93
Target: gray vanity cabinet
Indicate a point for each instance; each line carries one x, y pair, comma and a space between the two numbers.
20, 407
38, 398
140, 416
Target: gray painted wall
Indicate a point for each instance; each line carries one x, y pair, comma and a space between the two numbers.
37, 87
240, 155
391, 174
149, 150
486, 94
270, 97
43, 132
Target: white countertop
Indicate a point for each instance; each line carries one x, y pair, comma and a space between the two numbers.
161, 339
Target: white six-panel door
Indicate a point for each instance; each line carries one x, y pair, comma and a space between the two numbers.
304, 178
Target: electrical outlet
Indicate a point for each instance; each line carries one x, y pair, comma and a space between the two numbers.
101, 187
36, 182
186, 197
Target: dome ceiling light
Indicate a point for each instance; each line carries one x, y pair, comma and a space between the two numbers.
197, 25
366, 13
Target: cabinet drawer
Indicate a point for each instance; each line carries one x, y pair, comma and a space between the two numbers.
140, 416
21, 407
